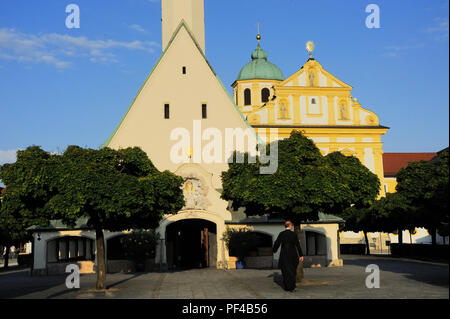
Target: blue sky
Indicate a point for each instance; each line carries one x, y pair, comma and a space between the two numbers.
61, 86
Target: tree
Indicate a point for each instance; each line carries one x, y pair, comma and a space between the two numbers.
305, 183
12, 227
360, 219
22, 203
425, 185
396, 214
387, 214
115, 190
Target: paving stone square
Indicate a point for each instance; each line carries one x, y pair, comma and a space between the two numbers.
399, 279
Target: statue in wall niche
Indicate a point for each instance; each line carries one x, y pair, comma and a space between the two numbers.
283, 111
343, 112
193, 194
311, 78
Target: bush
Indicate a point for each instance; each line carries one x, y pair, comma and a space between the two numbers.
240, 242
140, 245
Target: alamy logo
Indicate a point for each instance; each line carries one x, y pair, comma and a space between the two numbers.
373, 280
373, 19
73, 19
210, 146
73, 280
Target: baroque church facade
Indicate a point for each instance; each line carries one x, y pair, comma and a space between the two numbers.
311, 100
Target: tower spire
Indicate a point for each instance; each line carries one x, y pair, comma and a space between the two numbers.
192, 12
258, 36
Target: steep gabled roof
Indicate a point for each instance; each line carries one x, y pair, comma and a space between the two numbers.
180, 26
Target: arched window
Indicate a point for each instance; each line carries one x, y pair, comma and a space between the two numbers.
313, 101
247, 97
265, 94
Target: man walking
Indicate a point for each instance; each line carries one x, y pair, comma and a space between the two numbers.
290, 255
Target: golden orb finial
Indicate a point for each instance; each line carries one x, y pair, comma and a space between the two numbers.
310, 47
258, 36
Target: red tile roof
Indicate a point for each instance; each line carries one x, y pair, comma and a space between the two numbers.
392, 162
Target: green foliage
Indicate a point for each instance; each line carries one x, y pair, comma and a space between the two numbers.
304, 184
114, 190
421, 200
425, 186
26, 194
387, 214
140, 244
240, 241
230, 234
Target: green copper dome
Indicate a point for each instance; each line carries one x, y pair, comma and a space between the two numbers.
260, 68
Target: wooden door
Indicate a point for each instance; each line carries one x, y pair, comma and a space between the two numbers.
205, 246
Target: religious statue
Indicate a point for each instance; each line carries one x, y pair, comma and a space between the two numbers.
343, 112
192, 194
311, 78
283, 111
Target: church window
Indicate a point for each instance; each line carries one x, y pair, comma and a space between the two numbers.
166, 111
247, 97
204, 113
265, 94
184, 70
313, 101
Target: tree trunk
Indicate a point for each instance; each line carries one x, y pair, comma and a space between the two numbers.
433, 235
300, 274
101, 267
400, 236
6, 257
367, 243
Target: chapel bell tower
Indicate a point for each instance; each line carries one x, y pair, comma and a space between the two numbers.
191, 11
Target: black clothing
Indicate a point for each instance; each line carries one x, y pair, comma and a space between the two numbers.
289, 257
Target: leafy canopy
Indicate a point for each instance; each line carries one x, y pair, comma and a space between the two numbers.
304, 184
114, 190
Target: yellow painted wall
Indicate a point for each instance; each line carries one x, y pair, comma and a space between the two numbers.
353, 131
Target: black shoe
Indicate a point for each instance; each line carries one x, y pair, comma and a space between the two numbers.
291, 290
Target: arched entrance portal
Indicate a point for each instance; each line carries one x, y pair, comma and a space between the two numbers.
191, 243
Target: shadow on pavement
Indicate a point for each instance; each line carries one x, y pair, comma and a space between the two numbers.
432, 274
278, 279
20, 283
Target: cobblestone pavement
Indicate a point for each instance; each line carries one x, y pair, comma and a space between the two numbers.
399, 278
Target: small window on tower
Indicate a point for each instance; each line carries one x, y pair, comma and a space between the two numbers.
265, 94
184, 70
204, 114
166, 111
313, 101
247, 97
